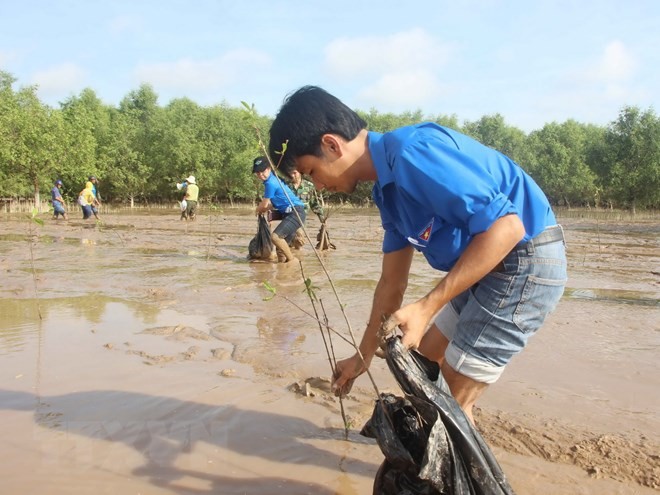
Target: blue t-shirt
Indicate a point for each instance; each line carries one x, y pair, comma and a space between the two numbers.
437, 188
55, 193
275, 191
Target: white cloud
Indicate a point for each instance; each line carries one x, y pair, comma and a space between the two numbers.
394, 91
596, 91
377, 55
124, 24
610, 76
616, 63
59, 79
204, 75
396, 72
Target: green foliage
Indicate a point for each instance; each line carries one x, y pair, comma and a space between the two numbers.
492, 131
139, 149
558, 162
310, 289
271, 290
631, 172
383, 122
34, 217
31, 141
85, 127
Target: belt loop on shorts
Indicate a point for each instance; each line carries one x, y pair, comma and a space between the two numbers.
548, 236
530, 247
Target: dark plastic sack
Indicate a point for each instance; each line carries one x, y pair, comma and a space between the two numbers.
261, 246
429, 444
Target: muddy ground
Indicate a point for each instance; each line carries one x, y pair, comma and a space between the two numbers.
143, 354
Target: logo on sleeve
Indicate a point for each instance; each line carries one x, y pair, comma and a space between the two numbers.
423, 236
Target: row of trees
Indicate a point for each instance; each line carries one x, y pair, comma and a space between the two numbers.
140, 149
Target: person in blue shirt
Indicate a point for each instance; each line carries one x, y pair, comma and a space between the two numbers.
58, 202
97, 196
278, 197
470, 210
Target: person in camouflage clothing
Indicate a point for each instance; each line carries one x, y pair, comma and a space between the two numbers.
305, 190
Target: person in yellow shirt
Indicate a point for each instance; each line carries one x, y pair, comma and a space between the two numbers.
86, 200
192, 194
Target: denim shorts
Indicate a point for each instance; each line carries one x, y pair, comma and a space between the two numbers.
491, 321
290, 223
58, 209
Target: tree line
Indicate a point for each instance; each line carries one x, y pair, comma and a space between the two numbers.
140, 149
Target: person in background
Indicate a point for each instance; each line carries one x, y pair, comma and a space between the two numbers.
97, 196
304, 189
471, 211
281, 199
191, 197
86, 200
58, 202
182, 186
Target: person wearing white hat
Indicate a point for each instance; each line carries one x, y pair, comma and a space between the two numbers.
192, 194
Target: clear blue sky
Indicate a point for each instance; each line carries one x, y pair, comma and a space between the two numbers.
533, 61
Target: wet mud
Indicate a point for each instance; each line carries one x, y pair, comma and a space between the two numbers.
148, 355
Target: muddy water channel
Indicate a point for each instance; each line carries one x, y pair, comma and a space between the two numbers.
147, 355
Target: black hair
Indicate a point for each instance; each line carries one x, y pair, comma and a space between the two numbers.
305, 116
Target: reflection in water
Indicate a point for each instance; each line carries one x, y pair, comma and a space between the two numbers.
20, 321
47, 239
14, 237
279, 335
145, 257
613, 295
170, 443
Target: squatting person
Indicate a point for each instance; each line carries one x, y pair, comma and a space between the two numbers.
280, 198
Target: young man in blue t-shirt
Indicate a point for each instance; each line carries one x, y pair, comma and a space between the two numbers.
280, 198
58, 202
469, 209
97, 196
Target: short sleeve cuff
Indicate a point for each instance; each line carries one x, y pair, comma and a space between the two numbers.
483, 219
393, 241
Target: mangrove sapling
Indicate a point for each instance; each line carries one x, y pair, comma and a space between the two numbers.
327, 340
212, 216
353, 341
34, 219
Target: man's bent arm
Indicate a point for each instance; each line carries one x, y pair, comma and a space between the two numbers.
264, 205
387, 298
483, 253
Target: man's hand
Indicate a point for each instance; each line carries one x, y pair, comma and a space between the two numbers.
346, 372
264, 205
413, 321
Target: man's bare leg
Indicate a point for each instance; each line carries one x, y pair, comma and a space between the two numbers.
465, 390
433, 345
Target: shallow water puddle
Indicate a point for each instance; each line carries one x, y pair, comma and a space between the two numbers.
613, 295
114, 319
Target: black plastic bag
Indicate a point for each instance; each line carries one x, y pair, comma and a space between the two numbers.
261, 246
429, 444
